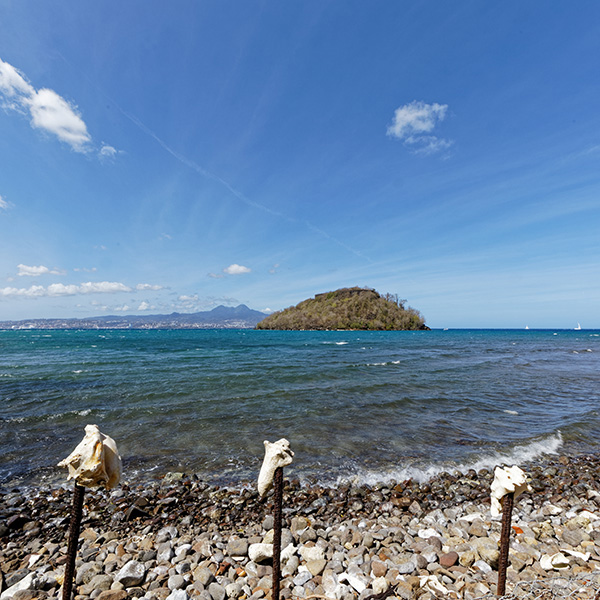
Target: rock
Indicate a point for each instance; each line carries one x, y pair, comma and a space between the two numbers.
27, 583
233, 590
449, 559
131, 574
237, 547
164, 552
378, 568
573, 537
175, 582
379, 585
260, 552
309, 553
203, 575
404, 590
178, 595
302, 578
216, 591
316, 566
112, 595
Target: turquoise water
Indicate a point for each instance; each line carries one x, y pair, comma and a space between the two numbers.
362, 405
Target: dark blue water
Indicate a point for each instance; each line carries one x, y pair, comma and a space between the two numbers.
364, 405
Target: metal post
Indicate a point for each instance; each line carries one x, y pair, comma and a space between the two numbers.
76, 511
278, 499
507, 507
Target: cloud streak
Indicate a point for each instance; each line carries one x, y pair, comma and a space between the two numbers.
60, 289
413, 124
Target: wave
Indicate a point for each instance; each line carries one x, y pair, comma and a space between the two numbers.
517, 455
51, 417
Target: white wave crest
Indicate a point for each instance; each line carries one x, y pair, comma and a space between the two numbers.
514, 456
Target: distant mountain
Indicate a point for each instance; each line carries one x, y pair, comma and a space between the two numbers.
348, 308
221, 317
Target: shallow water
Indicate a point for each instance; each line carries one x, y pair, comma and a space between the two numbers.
364, 405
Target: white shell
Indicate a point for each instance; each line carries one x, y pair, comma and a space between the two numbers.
555, 561
431, 584
506, 480
95, 461
277, 454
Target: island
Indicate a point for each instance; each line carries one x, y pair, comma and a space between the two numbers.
352, 308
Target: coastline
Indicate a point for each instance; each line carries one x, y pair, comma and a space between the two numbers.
189, 539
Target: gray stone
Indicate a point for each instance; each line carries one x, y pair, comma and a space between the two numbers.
98, 582
216, 591
237, 547
573, 537
131, 574
164, 552
175, 582
87, 572
233, 590
203, 575
302, 578
178, 595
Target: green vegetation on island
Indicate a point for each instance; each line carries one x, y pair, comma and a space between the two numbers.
348, 308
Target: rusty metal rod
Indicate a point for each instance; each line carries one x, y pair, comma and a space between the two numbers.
507, 507
278, 499
76, 511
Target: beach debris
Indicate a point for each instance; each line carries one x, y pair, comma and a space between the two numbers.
430, 583
94, 462
277, 455
556, 561
508, 483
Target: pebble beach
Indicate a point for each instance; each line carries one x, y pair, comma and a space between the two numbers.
180, 538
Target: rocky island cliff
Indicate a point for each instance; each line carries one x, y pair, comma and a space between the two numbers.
347, 308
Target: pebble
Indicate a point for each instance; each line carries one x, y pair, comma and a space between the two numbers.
216, 544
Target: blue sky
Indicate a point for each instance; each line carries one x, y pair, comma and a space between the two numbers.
159, 157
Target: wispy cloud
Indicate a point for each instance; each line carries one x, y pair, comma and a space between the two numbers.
3, 204
148, 286
413, 124
235, 269
27, 271
48, 110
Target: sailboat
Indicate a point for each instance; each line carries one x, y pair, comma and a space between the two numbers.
578, 328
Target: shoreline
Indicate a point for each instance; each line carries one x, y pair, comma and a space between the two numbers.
191, 539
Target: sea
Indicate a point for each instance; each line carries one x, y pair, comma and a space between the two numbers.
358, 407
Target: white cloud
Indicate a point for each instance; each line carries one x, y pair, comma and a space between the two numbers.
185, 298
12, 83
48, 110
235, 269
26, 271
107, 151
144, 306
3, 203
54, 114
60, 289
413, 121
148, 286
123, 308
215, 275
86, 270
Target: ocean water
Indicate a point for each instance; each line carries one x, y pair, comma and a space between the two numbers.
363, 406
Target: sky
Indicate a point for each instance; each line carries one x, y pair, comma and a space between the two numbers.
175, 156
